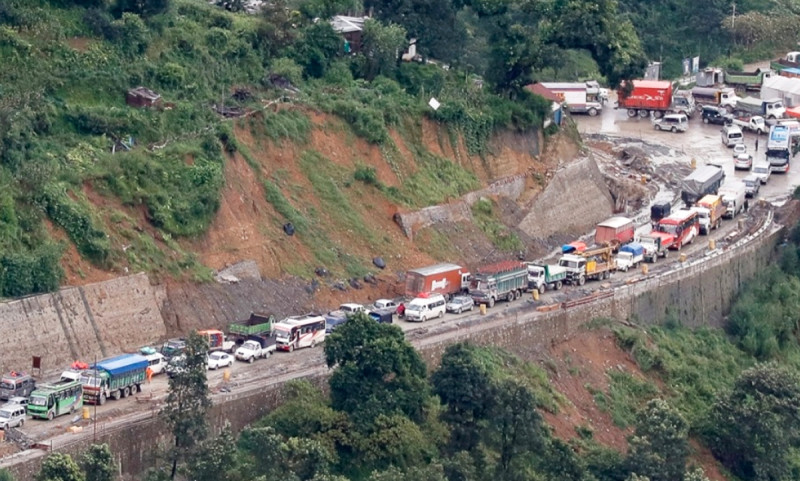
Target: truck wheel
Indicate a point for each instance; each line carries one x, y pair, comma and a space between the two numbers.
631, 113
291, 347
117, 394
102, 399
666, 253
50, 416
517, 295
542, 288
581, 280
592, 112
126, 392
644, 113
252, 358
558, 285
491, 302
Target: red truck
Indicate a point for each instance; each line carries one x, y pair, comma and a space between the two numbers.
614, 232
653, 96
445, 279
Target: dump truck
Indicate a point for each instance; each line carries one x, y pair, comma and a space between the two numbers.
747, 80
259, 324
614, 232
653, 97
767, 108
503, 280
703, 181
115, 377
542, 276
445, 279
790, 60
597, 263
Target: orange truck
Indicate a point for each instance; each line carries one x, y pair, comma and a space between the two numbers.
710, 210
614, 232
445, 279
217, 340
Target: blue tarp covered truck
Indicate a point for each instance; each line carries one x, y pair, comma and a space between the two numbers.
630, 256
115, 377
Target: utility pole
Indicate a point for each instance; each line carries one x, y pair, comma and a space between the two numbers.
733, 17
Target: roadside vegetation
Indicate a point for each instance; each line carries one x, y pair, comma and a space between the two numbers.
126, 186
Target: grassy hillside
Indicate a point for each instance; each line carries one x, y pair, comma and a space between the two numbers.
68, 200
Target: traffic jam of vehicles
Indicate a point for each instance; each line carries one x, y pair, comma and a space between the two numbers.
619, 246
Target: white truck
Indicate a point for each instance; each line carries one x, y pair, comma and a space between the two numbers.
767, 108
655, 245
753, 123
630, 256
733, 196
541, 276
580, 97
252, 350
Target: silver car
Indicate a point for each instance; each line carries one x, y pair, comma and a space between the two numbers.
460, 304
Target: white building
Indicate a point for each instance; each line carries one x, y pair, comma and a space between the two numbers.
784, 88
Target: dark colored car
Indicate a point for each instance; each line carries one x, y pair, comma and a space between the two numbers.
716, 115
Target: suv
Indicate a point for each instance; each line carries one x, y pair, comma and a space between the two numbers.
672, 122
716, 115
12, 416
752, 184
762, 171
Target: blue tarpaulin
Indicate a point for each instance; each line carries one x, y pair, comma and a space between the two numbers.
122, 364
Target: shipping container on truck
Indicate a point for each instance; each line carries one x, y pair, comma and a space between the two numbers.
445, 279
614, 232
646, 96
503, 280
217, 340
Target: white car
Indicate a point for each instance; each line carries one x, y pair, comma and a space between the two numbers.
460, 304
219, 359
739, 149
743, 161
762, 171
16, 401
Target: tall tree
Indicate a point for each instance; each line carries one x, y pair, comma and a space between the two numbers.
214, 458
188, 401
516, 425
60, 467
755, 429
381, 46
5, 475
659, 446
98, 463
465, 387
377, 372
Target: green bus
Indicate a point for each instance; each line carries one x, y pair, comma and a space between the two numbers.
51, 400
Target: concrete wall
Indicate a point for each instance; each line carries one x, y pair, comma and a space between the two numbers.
81, 323
577, 187
700, 292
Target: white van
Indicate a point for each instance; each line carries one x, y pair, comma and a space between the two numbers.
157, 362
12, 416
423, 308
732, 135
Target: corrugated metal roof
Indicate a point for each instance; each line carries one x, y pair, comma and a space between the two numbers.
782, 84
653, 84
345, 24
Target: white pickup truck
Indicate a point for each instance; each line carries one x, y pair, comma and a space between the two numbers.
755, 124
252, 350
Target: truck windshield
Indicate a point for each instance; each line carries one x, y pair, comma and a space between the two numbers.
534, 274
568, 263
90, 381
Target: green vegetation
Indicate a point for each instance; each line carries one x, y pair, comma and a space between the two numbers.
501, 236
74, 154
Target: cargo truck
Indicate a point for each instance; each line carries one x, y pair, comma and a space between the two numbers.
630, 256
791, 60
614, 232
116, 377
753, 123
747, 80
767, 108
258, 324
580, 97
733, 196
445, 279
710, 210
217, 340
715, 96
542, 276
778, 148
595, 263
504, 280
703, 181
653, 97
656, 244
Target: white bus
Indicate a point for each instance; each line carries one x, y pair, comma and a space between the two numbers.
300, 331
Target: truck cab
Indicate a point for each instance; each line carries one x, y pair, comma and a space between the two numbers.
655, 245
575, 267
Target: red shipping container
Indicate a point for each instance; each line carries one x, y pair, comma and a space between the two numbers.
647, 94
